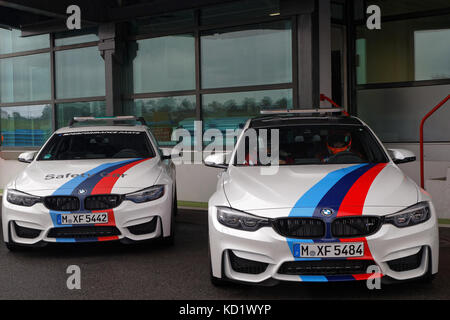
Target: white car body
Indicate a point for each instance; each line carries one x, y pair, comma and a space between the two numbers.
303, 191
83, 178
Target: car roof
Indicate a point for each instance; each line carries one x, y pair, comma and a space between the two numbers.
293, 119
102, 128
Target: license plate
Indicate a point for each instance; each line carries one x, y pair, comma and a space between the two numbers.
329, 250
82, 218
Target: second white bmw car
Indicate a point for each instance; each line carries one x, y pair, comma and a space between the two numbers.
338, 208
92, 183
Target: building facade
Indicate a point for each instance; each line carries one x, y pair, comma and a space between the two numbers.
174, 62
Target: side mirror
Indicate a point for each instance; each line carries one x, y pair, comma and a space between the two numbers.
401, 155
167, 154
216, 161
27, 157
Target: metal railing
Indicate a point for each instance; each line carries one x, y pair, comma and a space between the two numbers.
334, 104
422, 174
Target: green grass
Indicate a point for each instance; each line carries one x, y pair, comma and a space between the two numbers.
444, 221
193, 204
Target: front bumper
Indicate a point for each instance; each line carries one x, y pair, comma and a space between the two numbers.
385, 250
127, 222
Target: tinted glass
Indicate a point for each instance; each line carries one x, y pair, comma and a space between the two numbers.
25, 78
25, 126
97, 145
394, 114
164, 115
317, 144
74, 37
11, 41
231, 110
66, 111
251, 55
164, 64
406, 50
79, 73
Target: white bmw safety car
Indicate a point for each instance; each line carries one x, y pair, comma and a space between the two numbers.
96, 180
338, 208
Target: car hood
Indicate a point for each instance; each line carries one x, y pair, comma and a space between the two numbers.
104, 176
302, 190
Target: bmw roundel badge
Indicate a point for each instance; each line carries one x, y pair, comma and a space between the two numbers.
326, 212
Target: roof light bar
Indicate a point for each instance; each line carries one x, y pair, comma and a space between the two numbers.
117, 118
317, 110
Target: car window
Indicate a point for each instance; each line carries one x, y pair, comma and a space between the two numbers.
97, 145
313, 144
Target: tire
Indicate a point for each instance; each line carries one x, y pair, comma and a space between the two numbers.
13, 247
428, 278
176, 202
217, 282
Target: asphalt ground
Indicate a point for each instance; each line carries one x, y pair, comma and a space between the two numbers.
155, 271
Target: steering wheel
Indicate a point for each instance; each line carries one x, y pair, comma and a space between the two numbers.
345, 157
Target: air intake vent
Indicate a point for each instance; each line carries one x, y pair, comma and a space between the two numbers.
407, 263
246, 266
325, 267
83, 232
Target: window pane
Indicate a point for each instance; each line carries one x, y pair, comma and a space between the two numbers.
25, 78
25, 126
432, 54
256, 55
164, 64
79, 73
11, 41
231, 110
72, 37
238, 10
66, 111
163, 115
395, 113
407, 50
337, 11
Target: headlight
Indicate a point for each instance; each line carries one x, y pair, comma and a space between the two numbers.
147, 194
240, 220
21, 198
411, 216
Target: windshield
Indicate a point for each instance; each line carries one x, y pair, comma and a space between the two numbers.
311, 144
97, 145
